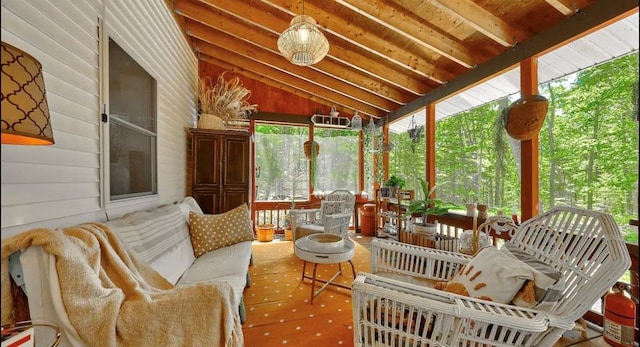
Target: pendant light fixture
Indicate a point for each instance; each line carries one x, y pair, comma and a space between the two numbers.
372, 128
303, 43
356, 122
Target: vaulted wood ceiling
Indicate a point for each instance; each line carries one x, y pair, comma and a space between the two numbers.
384, 55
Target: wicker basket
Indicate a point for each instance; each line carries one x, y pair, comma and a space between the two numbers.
311, 149
265, 232
209, 121
525, 117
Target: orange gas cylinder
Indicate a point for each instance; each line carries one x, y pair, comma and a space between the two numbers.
619, 317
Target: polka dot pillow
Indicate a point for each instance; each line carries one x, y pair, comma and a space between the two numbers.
213, 231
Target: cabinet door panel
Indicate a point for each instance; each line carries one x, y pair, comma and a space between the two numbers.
221, 169
206, 162
233, 198
235, 170
209, 200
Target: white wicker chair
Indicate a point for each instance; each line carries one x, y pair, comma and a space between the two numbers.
311, 221
343, 195
586, 246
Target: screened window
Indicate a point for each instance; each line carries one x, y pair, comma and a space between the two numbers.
132, 127
281, 167
337, 163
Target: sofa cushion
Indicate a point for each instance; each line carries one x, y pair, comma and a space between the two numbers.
214, 231
160, 237
227, 264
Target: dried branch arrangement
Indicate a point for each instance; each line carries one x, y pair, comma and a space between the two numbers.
225, 99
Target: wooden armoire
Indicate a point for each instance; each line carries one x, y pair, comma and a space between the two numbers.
220, 176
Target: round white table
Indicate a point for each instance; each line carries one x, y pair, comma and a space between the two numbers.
310, 250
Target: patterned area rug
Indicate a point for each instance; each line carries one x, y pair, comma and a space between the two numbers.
279, 309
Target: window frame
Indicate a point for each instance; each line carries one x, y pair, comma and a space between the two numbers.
124, 200
255, 153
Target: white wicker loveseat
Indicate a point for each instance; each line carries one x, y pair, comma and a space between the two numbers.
585, 246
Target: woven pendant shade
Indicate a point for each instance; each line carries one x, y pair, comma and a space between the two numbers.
303, 43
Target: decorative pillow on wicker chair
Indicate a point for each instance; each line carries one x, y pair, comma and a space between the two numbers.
490, 275
328, 208
213, 231
545, 289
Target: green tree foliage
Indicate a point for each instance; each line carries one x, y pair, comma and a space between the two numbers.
588, 146
403, 162
281, 167
338, 160
588, 150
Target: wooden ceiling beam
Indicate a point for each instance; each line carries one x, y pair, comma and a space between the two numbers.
353, 32
207, 17
231, 43
483, 21
412, 29
273, 83
398, 77
368, 75
566, 7
242, 60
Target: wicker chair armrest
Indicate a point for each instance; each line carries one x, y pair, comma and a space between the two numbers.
338, 216
451, 318
413, 260
307, 211
301, 216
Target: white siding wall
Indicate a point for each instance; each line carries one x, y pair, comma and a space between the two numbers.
60, 185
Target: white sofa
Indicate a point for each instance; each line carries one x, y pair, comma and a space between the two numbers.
159, 237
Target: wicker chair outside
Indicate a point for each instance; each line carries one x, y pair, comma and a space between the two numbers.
586, 246
343, 195
307, 222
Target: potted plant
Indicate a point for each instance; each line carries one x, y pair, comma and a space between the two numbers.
394, 182
426, 206
470, 204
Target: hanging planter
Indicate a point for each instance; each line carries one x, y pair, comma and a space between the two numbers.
524, 118
415, 133
387, 147
311, 149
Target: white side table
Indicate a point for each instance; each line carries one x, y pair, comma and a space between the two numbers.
324, 249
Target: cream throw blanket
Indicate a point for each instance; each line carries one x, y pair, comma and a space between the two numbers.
114, 299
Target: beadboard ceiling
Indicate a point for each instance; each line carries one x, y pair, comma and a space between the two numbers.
387, 57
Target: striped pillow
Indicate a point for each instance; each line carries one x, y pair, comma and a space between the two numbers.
547, 283
160, 237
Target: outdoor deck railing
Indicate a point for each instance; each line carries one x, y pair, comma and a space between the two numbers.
274, 212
